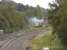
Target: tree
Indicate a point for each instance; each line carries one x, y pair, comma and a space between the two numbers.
58, 20
10, 18
13, 15
38, 11
6, 0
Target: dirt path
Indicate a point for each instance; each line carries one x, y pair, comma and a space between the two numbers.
20, 41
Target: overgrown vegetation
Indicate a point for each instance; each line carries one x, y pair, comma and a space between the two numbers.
58, 20
47, 40
13, 15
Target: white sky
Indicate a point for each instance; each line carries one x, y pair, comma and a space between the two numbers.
42, 3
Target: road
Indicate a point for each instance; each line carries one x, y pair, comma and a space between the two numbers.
20, 41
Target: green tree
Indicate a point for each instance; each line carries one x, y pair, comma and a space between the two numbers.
58, 20
10, 17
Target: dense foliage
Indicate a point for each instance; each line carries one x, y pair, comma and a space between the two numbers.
12, 15
58, 20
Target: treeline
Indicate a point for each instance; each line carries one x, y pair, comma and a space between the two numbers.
58, 19
12, 15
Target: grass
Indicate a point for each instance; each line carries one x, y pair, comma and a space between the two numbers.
36, 28
47, 40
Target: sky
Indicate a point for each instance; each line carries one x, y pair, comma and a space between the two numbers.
34, 3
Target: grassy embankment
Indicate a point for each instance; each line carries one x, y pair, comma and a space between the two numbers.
46, 40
